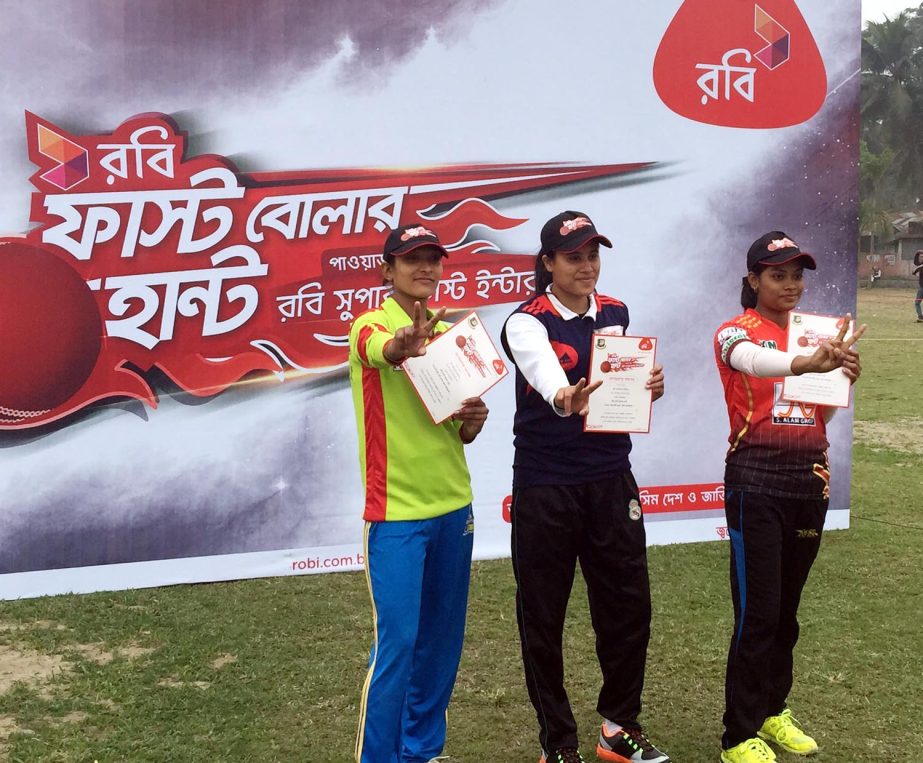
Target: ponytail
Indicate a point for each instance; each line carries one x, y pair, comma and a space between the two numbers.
542, 276
748, 297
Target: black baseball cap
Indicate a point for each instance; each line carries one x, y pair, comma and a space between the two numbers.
409, 237
776, 248
568, 231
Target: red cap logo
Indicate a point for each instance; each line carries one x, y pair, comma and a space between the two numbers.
758, 67
570, 226
781, 243
415, 232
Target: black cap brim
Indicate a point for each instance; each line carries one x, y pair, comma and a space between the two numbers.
780, 258
412, 245
574, 245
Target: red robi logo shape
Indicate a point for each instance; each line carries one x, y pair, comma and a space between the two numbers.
740, 63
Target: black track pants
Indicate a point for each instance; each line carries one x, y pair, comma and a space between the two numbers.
599, 524
774, 542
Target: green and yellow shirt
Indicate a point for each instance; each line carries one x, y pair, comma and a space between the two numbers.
411, 467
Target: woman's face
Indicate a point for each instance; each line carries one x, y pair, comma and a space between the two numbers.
575, 274
779, 287
415, 275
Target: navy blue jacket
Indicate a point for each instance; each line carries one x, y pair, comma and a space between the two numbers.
553, 449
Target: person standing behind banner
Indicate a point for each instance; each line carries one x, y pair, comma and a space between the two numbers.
574, 498
917, 270
777, 486
418, 520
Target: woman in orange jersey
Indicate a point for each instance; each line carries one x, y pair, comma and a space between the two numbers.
776, 494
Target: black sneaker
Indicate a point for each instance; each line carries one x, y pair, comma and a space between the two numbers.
628, 746
562, 755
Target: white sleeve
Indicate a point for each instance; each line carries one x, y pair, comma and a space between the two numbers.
751, 359
528, 342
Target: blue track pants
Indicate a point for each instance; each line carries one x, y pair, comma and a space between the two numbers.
418, 573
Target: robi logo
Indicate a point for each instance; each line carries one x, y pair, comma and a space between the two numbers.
567, 355
757, 67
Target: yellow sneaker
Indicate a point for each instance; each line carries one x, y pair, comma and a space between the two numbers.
752, 751
783, 730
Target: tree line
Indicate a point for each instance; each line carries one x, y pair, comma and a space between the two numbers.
891, 146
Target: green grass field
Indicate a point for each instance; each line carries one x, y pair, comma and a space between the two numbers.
270, 670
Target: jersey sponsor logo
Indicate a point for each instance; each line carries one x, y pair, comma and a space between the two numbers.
567, 355
769, 344
788, 413
727, 338
808, 532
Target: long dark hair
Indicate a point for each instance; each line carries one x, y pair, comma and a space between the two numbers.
918, 257
747, 294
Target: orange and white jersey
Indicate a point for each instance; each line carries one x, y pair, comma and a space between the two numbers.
776, 447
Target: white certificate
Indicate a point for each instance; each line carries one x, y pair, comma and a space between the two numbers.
623, 364
459, 363
805, 333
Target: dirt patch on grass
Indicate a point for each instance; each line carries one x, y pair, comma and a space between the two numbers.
7, 727
35, 625
222, 660
98, 653
905, 435
28, 666
175, 683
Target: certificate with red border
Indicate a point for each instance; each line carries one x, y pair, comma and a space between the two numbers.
806, 332
460, 363
623, 364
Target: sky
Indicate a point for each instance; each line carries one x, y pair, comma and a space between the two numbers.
876, 10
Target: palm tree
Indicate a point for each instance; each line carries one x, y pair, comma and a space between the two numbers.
892, 101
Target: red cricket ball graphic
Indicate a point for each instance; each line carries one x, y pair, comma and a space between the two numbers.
461, 341
50, 331
802, 341
605, 366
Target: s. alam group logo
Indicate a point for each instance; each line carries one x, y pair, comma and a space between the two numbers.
735, 63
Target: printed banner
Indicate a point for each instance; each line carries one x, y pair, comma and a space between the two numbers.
183, 248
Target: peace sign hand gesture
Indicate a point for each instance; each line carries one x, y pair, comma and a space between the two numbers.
576, 397
834, 353
410, 341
